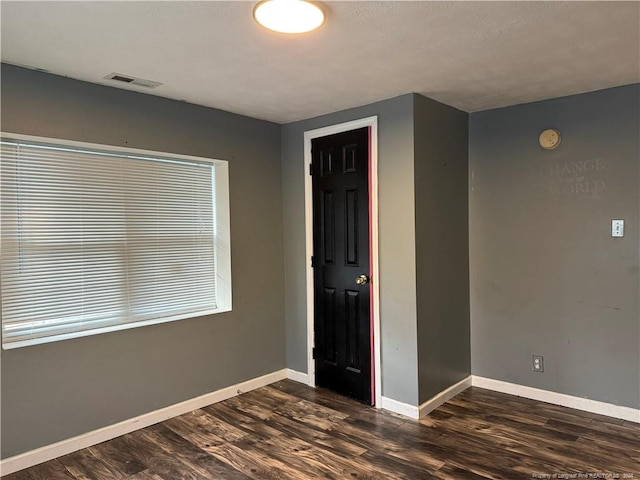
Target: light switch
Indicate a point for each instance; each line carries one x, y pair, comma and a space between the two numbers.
617, 228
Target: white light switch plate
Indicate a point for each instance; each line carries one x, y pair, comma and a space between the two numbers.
617, 228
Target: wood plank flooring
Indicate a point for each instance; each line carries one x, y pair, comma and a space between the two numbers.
290, 431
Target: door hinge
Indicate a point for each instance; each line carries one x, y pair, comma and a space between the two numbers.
311, 169
313, 262
313, 353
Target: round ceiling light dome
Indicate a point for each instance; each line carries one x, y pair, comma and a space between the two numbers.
289, 16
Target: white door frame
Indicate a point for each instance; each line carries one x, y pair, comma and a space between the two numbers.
371, 122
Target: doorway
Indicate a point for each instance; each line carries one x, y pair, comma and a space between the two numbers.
342, 288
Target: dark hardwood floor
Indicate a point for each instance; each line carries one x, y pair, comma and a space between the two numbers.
290, 431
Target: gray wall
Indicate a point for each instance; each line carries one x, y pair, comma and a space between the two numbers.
58, 390
396, 237
442, 245
546, 276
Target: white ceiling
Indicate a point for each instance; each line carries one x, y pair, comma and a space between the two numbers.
471, 55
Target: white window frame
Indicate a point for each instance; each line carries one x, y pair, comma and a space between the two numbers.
222, 234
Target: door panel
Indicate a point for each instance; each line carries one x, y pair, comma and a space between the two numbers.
341, 254
351, 227
352, 324
330, 342
328, 227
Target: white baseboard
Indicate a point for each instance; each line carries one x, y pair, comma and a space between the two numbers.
395, 406
425, 408
593, 406
64, 447
297, 376
437, 400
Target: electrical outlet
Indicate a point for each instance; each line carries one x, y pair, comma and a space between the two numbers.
617, 228
537, 363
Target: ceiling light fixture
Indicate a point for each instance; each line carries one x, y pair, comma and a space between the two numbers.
288, 16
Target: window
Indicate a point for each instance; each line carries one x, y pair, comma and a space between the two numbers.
96, 239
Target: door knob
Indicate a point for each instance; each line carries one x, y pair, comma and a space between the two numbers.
362, 279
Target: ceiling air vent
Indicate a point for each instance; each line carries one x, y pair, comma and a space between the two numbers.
128, 79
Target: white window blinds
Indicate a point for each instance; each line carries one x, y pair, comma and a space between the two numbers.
98, 241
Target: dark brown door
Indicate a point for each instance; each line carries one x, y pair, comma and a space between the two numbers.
342, 327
